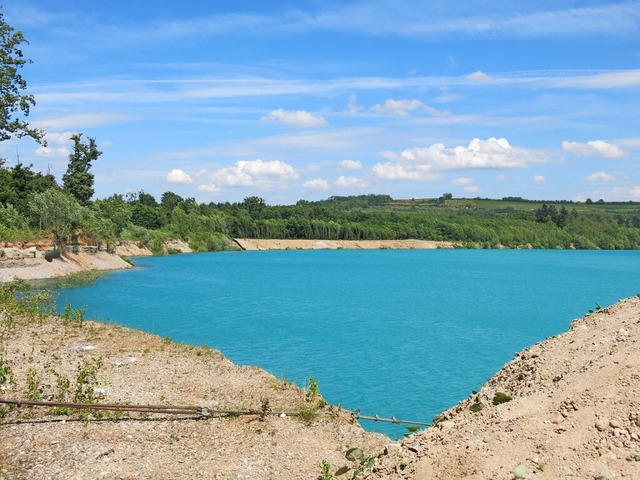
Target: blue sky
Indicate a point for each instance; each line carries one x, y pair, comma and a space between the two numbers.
294, 100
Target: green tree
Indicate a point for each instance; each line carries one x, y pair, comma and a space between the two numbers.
14, 103
58, 212
19, 182
78, 181
170, 200
254, 206
116, 210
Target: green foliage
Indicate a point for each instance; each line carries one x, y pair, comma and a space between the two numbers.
34, 387
14, 102
18, 300
87, 381
79, 279
520, 471
74, 315
57, 212
6, 373
476, 407
501, 397
313, 387
437, 419
78, 181
325, 471
360, 461
309, 412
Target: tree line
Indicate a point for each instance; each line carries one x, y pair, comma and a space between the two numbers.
33, 204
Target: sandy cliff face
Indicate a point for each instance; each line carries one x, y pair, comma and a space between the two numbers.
30, 264
289, 244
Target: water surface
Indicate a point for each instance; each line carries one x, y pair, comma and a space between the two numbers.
406, 333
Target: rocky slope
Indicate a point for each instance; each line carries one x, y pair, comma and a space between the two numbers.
574, 413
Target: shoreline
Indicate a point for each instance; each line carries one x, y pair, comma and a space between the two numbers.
252, 244
29, 263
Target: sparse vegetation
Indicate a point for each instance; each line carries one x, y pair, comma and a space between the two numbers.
501, 397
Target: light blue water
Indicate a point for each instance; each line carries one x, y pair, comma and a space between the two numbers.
407, 333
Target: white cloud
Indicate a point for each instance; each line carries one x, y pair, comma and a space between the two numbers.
478, 77
600, 177
594, 148
350, 182
396, 171
419, 163
405, 107
350, 165
297, 118
250, 173
606, 80
352, 106
462, 181
539, 178
316, 184
209, 187
52, 152
59, 137
466, 184
178, 176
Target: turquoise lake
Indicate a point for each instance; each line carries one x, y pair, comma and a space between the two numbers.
404, 333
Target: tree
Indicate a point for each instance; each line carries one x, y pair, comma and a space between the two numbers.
19, 182
14, 103
170, 200
78, 181
57, 212
445, 196
254, 205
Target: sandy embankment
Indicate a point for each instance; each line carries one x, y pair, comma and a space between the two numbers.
264, 244
28, 262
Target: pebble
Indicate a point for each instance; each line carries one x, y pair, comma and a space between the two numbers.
415, 447
601, 424
614, 424
447, 425
557, 419
637, 421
